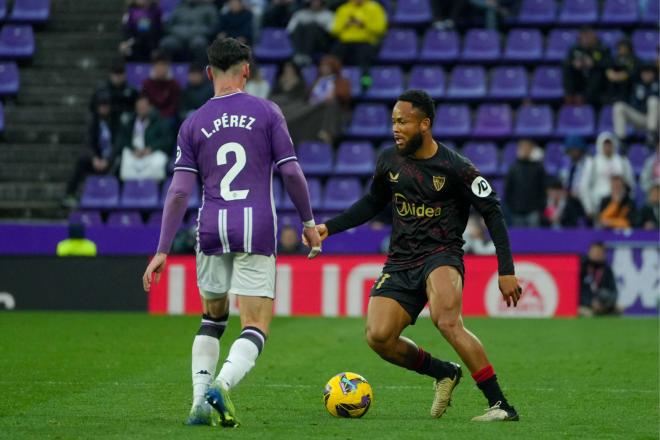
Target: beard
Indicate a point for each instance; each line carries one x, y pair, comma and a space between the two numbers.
411, 147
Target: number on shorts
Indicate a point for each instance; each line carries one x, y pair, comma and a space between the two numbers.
225, 191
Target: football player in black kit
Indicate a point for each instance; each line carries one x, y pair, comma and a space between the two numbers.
431, 188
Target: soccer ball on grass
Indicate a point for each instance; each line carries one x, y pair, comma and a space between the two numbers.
348, 395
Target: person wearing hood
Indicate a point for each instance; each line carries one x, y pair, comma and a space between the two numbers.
598, 171
524, 187
598, 291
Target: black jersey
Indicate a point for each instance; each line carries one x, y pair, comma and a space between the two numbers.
431, 201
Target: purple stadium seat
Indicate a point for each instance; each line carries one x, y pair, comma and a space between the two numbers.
534, 121
353, 74
579, 12
315, 158
619, 12
30, 11
193, 201
558, 43
452, 120
155, 219
537, 12
428, 78
645, 43
180, 73
136, 73
508, 82
2, 118
412, 12
509, 155
87, 218
124, 219
637, 154
315, 195
483, 155
309, 74
547, 83
651, 15
16, 41
9, 81
268, 73
167, 6
399, 45
355, 158
497, 183
100, 192
467, 82
493, 120
370, 120
3, 9
524, 45
481, 45
341, 192
553, 157
439, 46
273, 45
141, 194
387, 83
578, 120
610, 37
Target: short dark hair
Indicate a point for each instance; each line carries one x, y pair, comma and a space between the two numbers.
224, 53
421, 101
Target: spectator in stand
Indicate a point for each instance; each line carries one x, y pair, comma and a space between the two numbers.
524, 187
188, 30
584, 69
359, 26
257, 85
198, 90
278, 13
144, 141
651, 171
290, 91
476, 240
649, 215
561, 210
76, 245
236, 22
642, 108
162, 90
571, 173
122, 95
620, 72
309, 31
289, 242
598, 171
617, 211
142, 30
457, 10
598, 291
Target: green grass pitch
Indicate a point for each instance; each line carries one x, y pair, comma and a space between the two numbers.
91, 375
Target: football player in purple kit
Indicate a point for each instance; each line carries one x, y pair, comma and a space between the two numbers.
231, 143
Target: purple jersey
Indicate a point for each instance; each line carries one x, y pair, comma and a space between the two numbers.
233, 141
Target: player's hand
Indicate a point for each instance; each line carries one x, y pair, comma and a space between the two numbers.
312, 240
156, 266
511, 290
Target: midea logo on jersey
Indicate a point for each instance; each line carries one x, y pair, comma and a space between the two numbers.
405, 208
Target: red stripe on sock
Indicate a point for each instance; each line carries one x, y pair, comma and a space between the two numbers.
420, 359
484, 374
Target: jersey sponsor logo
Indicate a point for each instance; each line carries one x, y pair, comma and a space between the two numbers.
406, 208
394, 178
178, 154
438, 182
481, 187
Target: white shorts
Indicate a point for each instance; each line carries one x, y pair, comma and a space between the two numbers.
236, 273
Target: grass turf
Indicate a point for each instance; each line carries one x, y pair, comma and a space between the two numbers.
84, 375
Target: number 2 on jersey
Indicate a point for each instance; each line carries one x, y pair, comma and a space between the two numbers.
225, 191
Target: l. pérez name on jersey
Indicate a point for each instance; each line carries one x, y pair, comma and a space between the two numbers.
230, 121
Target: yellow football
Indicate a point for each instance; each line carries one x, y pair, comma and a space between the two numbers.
348, 395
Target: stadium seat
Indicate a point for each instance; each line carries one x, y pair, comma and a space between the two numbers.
386, 83
553, 157
124, 219
30, 11
481, 45
341, 192
412, 12
193, 201
309, 74
87, 218
534, 121
467, 82
155, 219
483, 155
578, 12
537, 12
3, 9
509, 156
619, 12
399, 46
315, 195
637, 154
167, 6
452, 120
355, 158
651, 14
439, 46
136, 73
645, 43
273, 45
384, 146
558, 43
139, 194
508, 82
577, 120
315, 158
180, 73
100, 192
547, 83
370, 120
353, 74
492, 121
16, 41
2, 118
277, 190
269, 73
9, 80
428, 78
610, 37
524, 45
497, 183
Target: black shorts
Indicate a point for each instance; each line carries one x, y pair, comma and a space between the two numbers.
408, 286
